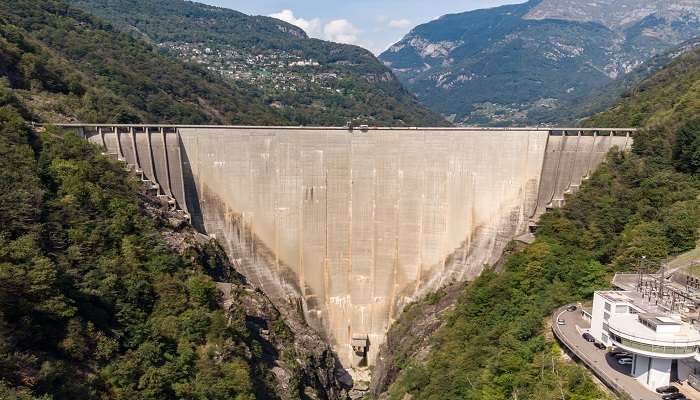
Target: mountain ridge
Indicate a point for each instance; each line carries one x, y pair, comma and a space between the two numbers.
581, 109
49, 52
309, 81
496, 67
613, 16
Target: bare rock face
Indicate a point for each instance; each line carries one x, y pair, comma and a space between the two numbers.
522, 64
615, 14
409, 337
305, 366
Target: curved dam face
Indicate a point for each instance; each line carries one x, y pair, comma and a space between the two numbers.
353, 225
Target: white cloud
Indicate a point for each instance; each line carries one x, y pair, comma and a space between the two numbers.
312, 27
338, 30
341, 31
400, 23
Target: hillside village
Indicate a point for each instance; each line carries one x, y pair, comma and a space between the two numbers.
272, 70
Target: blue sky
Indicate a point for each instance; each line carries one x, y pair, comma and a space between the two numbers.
373, 24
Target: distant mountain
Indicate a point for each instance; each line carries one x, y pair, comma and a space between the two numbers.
307, 81
572, 112
663, 100
513, 64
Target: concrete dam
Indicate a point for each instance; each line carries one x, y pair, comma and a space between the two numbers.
352, 225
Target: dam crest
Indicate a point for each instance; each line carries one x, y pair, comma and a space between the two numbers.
355, 224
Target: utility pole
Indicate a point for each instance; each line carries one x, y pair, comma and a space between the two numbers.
661, 284
640, 273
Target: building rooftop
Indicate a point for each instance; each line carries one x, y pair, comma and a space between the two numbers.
654, 320
633, 325
642, 301
616, 296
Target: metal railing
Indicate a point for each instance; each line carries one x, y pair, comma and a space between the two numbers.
683, 349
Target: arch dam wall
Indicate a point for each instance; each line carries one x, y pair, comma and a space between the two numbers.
353, 225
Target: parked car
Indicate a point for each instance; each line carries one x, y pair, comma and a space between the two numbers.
561, 322
667, 389
571, 309
622, 355
615, 353
673, 396
625, 361
600, 345
588, 337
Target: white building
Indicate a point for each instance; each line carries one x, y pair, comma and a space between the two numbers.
664, 347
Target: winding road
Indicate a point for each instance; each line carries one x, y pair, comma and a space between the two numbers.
600, 362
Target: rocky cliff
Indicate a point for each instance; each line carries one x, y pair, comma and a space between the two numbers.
301, 363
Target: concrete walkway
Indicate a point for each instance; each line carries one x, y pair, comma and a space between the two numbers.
603, 365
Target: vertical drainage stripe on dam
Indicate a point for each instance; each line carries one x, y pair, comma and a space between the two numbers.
137, 157
110, 142
603, 144
550, 172
583, 160
566, 164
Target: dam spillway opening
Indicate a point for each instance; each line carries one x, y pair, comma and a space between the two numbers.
355, 224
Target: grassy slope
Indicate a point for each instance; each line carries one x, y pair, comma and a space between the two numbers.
493, 344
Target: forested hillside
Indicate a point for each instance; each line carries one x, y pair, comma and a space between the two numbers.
67, 65
101, 297
308, 81
102, 294
493, 345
